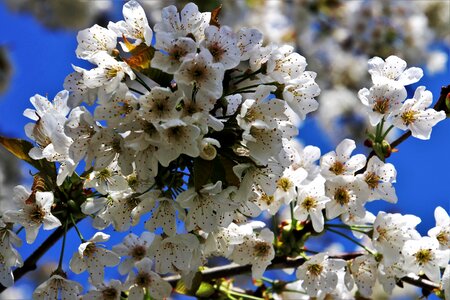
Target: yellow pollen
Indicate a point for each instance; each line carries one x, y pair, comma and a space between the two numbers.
381, 105
284, 184
309, 202
90, 250
315, 269
442, 237
409, 117
372, 180
342, 196
37, 214
266, 198
337, 168
423, 256
111, 72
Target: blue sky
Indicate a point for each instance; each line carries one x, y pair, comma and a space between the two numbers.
42, 58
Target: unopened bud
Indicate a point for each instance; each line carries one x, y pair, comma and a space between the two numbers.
386, 148
368, 143
208, 148
115, 53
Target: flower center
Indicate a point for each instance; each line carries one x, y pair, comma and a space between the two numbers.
381, 105
267, 199
138, 252
111, 72
90, 250
103, 175
284, 184
132, 202
198, 73
409, 117
342, 196
309, 203
177, 53
372, 180
261, 249
423, 256
115, 145
315, 269
442, 237
382, 232
37, 214
109, 293
125, 108
216, 51
337, 168
143, 279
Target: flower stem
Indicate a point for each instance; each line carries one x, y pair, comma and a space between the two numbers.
229, 292
387, 131
19, 230
293, 220
61, 256
268, 280
76, 228
246, 76
352, 240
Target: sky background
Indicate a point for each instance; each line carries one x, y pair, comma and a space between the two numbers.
42, 58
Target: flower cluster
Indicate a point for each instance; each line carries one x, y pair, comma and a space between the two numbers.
193, 123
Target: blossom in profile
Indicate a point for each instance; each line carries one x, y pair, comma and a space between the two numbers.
58, 287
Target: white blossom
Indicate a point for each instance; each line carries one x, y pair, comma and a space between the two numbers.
423, 255
393, 68
58, 287
134, 249
340, 162
319, 273
93, 258
34, 211
146, 279
442, 229
415, 115
256, 250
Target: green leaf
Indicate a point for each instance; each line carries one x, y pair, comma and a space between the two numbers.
20, 149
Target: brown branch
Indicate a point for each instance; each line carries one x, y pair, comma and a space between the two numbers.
280, 262
284, 262
30, 263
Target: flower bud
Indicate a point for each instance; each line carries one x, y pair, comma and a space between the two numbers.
208, 148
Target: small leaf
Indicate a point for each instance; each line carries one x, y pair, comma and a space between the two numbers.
141, 57
20, 148
215, 16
